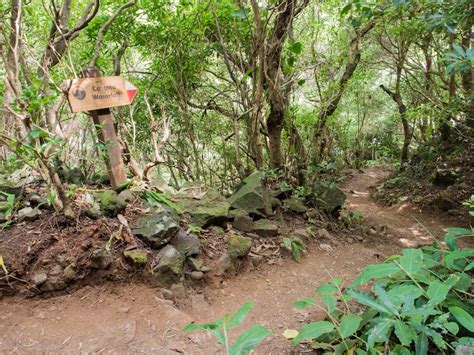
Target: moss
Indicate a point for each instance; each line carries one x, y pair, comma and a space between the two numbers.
237, 245
110, 204
136, 256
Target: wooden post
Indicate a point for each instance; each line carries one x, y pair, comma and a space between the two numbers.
106, 131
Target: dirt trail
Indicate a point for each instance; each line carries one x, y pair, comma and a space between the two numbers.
132, 318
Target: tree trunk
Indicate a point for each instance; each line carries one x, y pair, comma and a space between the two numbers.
328, 110
407, 132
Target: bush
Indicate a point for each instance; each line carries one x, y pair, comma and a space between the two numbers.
418, 300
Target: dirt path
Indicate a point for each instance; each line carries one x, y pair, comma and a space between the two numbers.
134, 319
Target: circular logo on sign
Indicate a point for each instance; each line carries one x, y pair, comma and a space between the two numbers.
79, 93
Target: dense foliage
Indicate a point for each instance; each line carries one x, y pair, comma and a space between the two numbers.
227, 87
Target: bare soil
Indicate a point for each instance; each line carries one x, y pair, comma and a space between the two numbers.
134, 318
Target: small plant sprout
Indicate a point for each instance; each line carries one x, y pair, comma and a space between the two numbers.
246, 342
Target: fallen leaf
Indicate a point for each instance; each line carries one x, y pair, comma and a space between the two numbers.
290, 333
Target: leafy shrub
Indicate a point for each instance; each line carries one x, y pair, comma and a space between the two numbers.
247, 341
417, 300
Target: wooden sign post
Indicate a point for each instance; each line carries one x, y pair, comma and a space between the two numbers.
103, 121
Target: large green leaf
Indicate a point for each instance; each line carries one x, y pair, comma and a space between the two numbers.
304, 302
404, 292
388, 300
369, 301
404, 332
412, 260
349, 325
330, 302
249, 340
437, 293
421, 344
464, 318
375, 271
240, 315
313, 330
380, 332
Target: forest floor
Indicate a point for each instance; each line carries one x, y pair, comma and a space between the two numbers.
133, 318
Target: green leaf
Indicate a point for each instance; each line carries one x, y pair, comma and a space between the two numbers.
249, 340
412, 260
296, 47
369, 301
349, 325
326, 289
375, 271
404, 332
452, 327
212, 327
451, 257
304, 303
330, 302
421, 344
240, 315
464, 318
38, 133
437, 293
313, 330
346, 9
386, 299
380, 332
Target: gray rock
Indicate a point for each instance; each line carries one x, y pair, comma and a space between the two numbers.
39, 279
36, 200
224, 264
110, 204
167, 294
178, 290
265, 228
70, 273
211, 209
195, 264
92, 213
56, 270
157, 229
243, 223
126, 196
186, 243
328, 198
10, 188
197, 275
252, 195
237, 245
28, 214
295, 205
170, 264
102, 259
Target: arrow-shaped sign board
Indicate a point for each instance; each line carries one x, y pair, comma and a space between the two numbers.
90, 94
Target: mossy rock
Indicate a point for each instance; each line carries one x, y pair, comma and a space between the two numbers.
265, 228
110, 204
170, 264
328, 198
252, 195
295, 205
158, 229
237, 245
211, 209
136, 256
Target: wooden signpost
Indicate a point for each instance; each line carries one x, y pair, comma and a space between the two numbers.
97, 94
